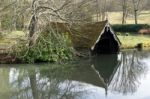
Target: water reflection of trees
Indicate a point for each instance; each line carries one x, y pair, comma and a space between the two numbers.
4, 83
45, 83
131, 69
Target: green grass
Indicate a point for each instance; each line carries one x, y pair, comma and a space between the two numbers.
8, 39
131, 41
116, 18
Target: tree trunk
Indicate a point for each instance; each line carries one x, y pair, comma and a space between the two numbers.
32, 27
33, 24
136, 4
103, 10
124, 7
124, 18
98, 10
135, 14
103, 16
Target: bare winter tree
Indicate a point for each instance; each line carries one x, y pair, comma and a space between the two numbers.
45, 8
79, 11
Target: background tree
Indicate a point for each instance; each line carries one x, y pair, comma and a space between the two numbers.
125, 11
136, 4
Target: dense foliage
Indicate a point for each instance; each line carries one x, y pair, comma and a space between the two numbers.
49, 47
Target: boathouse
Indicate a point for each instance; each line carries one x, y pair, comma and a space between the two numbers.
98, 38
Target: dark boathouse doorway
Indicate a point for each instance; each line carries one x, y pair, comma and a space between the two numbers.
107, 43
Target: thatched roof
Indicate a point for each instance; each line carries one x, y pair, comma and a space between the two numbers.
86, 35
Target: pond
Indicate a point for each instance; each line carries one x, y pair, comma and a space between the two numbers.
119, 76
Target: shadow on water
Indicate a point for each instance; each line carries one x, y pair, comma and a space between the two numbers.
117, 73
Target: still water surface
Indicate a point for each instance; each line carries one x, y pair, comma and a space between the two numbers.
122, 76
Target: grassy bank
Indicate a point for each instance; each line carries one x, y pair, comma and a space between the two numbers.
8, 39
11, 37
130, 41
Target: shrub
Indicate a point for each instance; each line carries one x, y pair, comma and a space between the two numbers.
129, 27
49, 47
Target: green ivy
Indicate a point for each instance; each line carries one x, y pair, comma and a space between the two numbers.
48, 48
